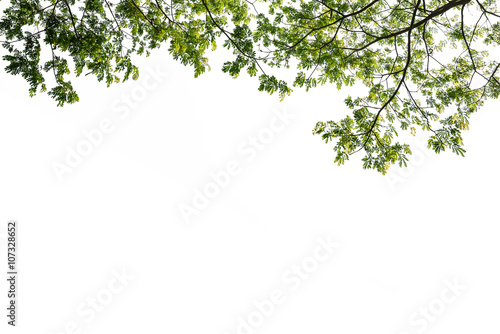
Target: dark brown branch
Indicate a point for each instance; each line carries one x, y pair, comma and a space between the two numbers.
433, 14
396, 90
72, 19
144, 15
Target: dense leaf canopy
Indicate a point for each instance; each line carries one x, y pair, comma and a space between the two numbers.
424, 63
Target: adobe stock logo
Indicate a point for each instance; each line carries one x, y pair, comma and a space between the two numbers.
95, 137
292, 279
399, 175
420, 320
247, 151
89, 309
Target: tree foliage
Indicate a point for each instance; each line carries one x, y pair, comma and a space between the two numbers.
424, 63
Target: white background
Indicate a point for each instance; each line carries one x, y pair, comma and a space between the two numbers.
401, 236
